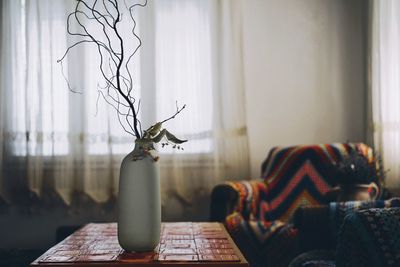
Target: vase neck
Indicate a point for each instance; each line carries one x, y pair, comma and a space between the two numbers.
143, 145
143, 149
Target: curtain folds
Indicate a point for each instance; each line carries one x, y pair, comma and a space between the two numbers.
215, 114
63, 147
47, 137
384, 84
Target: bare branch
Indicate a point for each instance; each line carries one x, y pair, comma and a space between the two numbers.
113, 62
66, 80
95, 11
118, 114
108, 11
136, 36
176, 113
118, 73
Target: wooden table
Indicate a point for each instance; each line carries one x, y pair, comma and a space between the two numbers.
184, 244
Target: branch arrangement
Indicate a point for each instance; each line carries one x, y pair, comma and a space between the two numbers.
102, 24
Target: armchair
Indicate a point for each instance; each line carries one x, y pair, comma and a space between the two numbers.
257, 212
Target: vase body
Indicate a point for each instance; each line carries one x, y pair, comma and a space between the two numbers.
139, 203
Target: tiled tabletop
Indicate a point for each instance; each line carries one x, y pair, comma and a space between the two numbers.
183, 244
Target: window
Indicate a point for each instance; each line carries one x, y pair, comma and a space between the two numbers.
49, 120
183, 70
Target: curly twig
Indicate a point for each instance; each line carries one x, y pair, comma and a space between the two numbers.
108, 17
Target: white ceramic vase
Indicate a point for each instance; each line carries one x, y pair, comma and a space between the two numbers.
139, 201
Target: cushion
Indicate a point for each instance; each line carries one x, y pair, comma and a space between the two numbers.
370, 238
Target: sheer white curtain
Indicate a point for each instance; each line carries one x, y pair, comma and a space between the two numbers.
54, 145
385, 84
57, 144
198, 60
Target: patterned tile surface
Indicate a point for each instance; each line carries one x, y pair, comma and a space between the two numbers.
180, 242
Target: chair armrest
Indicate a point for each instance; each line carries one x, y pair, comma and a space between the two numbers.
369, 238
239, 196
319, 217
318, 226
339, 210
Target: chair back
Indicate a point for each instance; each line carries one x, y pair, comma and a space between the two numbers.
301, 175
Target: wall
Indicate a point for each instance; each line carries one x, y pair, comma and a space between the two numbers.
305, 73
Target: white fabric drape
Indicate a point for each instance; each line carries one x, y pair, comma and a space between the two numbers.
55, 144
50, 143
208, 60
385, 84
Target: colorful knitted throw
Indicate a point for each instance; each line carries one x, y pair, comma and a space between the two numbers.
301, 175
